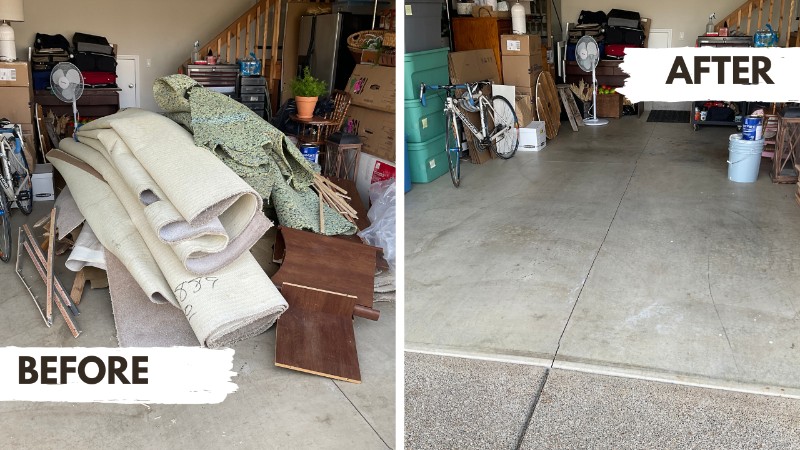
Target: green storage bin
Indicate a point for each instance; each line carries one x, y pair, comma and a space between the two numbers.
427, 160
425, 122
429, 67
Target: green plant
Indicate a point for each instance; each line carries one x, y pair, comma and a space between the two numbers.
308, 86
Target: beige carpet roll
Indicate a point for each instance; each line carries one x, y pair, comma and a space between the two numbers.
223, 307
193, 202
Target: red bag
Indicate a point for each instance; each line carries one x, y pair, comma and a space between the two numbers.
617, 51
99, 78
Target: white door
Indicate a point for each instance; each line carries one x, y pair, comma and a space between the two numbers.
128, 80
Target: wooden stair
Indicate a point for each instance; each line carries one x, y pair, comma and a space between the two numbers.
752, 15
257, 30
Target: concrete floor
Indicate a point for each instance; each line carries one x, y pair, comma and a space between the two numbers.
621, 250
273, 407
464, 403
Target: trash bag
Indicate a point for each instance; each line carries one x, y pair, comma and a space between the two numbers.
382, 232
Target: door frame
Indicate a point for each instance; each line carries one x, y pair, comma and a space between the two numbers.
135, 59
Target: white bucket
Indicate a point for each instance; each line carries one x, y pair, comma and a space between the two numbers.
744, 159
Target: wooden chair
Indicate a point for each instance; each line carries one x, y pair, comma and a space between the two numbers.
317, 130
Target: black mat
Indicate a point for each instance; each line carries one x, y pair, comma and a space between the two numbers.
668, 116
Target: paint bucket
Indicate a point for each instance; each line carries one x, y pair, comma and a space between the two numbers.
752, 129
744, 159
310, 152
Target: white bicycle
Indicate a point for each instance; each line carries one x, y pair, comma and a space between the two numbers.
15, 182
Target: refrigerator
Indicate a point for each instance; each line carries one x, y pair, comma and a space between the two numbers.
322, 46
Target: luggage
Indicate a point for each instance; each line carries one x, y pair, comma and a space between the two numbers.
622, 35
91, 43
41, 60
622, 18
95, 62
617, 51
100, 79
592, 17
46, 41
579, 31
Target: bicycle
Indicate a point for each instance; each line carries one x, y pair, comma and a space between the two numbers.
502, 139
15, 182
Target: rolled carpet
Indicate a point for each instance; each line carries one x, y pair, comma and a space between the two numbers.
193, 201
231, 304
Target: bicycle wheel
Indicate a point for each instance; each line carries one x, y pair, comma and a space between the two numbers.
25, 195
5, 229
453, 150
504, 118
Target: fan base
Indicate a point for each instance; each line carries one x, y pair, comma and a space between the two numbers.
595, 122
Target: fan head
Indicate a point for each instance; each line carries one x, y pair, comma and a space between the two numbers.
587, 54
66, 81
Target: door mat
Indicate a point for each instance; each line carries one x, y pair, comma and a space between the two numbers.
668, 116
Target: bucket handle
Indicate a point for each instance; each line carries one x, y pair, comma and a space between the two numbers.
746, 157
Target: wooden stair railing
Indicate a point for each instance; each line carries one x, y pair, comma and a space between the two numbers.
742, 19
249, 33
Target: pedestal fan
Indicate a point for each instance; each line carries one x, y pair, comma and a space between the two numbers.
587, 55
66, 82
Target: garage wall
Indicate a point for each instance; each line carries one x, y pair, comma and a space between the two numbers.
161, 30
689, 16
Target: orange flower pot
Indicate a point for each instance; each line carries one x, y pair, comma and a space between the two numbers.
305, 107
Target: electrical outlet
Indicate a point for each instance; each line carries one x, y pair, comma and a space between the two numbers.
149, 61
681, 37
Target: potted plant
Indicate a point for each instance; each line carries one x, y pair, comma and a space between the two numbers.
306, 90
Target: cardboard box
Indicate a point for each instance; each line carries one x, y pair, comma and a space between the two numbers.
372, 87
519, 44
532, 137
14, 74
16, 104
42, 181
473, 65
522, 70
376, 129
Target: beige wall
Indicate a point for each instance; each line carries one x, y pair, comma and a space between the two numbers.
161, 30
687, 16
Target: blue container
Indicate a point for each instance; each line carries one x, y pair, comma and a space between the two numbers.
751, 128
407, 172
429, 67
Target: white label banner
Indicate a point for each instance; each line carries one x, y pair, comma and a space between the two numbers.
712, 73
175, 375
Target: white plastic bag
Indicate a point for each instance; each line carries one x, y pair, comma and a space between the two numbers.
381, 214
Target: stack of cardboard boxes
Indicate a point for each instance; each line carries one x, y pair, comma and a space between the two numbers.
522, 63
371, 118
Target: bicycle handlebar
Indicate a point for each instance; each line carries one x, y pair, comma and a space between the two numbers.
469, 87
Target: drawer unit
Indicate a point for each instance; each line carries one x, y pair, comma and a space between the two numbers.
216, 75
252, 97
253, 89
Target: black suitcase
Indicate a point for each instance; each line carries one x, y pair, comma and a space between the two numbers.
592, 17
622, 18
623, 35
90, 43
94, 62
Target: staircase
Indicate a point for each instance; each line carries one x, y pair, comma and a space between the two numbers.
257, 30
754, 14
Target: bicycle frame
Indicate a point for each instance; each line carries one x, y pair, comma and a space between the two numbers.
452, 106
6, 180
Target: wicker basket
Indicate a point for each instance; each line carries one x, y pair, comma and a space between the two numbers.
389, 39
358, 41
